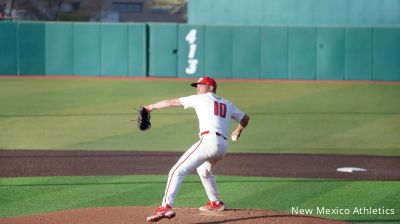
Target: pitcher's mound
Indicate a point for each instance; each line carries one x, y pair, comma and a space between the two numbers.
131, 215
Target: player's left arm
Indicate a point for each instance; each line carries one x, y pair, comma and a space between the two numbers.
164, 104
238, 130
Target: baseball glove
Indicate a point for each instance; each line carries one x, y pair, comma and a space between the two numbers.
143, 119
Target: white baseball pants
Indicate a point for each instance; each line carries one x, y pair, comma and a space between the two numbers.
201, 156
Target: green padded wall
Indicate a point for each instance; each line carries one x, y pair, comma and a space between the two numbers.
358, 53
58, 48
191, 51
274, 52
387, 54
8, 46
31, 48
246, 52
114, 45
330, 54
302, 42
163, 46
137, 49
63, 48
218, 51
86, 48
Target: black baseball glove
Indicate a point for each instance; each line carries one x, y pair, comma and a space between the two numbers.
143, 119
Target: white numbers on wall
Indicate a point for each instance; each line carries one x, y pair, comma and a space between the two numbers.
192, 61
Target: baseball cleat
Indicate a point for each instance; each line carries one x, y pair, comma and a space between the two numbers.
162, 212
213, 206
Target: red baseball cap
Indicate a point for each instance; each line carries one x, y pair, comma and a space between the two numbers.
207, 81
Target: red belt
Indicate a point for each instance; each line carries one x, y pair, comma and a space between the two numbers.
217, 133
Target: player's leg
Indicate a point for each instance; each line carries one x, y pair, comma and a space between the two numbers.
210, 186
216, 153
189, 161
208, 181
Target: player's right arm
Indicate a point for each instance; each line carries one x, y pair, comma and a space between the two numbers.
164, 104
238, 130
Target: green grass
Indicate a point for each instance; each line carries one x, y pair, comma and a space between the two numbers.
57, 114
25, 196
60, 114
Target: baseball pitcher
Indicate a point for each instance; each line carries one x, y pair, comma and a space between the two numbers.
214, 114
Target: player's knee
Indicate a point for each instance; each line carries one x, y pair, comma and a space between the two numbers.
178, 172
204, 173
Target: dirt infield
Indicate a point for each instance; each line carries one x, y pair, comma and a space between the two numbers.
20, 163
24, 163
131, 215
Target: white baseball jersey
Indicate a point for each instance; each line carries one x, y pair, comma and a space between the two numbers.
214, 113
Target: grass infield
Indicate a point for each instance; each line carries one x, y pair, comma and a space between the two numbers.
25, 196
96, 114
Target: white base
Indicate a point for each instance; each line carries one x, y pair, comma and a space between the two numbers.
351, 169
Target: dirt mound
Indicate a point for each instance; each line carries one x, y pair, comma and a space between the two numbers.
131, 215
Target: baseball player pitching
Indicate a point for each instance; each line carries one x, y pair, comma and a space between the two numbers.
214, 114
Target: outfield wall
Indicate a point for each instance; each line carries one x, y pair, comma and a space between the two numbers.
182, 50
85, 49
